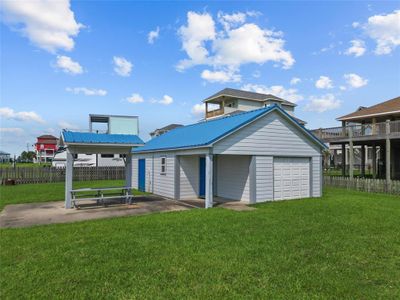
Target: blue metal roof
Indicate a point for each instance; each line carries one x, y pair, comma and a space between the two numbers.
205, 133
202, 133
100, 138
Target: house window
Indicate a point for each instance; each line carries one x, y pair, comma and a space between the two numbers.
163, 165
122, 155
107, 155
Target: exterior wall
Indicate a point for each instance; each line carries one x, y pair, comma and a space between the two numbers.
247, 105
233, 180
189, 177
270, 135
264, 179
157, 183
316, 176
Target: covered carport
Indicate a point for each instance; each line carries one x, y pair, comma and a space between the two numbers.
97, 143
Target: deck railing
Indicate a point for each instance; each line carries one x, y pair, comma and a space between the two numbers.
377, 130
214, 113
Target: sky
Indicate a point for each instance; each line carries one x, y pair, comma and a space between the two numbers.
63, 60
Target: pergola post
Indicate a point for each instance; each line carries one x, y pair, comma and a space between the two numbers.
69, 169
209, 181
128, 170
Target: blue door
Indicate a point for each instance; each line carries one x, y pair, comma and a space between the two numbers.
202, 177
142, 175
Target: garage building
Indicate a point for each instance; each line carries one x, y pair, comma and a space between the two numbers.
256, 156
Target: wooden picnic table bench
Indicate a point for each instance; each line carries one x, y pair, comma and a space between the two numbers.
100, 196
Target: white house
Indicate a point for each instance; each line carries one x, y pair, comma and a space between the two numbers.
253, 156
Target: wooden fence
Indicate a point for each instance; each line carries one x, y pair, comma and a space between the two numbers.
364, 184
23, 175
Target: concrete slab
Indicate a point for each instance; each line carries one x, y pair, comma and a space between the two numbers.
25, 215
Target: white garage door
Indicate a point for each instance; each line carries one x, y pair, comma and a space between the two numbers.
291, 178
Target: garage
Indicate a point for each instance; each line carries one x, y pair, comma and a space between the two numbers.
291, 178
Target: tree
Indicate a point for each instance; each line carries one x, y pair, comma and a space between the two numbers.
27, 156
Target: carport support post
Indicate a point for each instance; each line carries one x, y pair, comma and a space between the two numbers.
209, 181
69, 168
128, 170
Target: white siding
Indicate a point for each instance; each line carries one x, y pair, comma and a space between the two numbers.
264, 184
233, 177
189, 177
157, 183
135, 173
269, 135
316, 176
247, 105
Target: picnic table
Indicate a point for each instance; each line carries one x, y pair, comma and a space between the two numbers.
101, 195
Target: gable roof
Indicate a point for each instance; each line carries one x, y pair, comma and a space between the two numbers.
205, 133
383, 108
247, 95
47, 136
74, 137
167, 128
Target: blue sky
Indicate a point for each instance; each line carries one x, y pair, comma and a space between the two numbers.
62, 61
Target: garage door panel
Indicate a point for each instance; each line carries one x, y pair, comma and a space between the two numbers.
291, 178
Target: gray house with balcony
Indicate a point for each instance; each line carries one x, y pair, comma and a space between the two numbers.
370, 137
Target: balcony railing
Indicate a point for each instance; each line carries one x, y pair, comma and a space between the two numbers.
375, 131
214, 113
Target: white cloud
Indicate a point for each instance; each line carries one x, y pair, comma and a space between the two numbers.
69, 66
256, 74
199, 109
48, 24
135, 98
66, 125
221, 76
324, 82
122, 66
295, 80
86, 91
153, 35
236, 43
25, 116
385, 30
200, 28
355, 81
323, 103
357, 48
166, 100
290, 94
355, 24
231, 20
12, 130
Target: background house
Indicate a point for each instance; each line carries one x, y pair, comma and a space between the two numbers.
4, 157
45, 147
231, 101
164, 129
368, 140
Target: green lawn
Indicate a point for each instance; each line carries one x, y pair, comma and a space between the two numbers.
345, 245
43, 192
25, 165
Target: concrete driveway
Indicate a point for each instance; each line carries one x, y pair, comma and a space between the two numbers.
25, 215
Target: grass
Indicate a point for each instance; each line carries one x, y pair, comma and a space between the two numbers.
25, 165
344, 245
44, 192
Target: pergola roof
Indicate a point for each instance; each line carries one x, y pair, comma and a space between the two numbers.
90, 138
